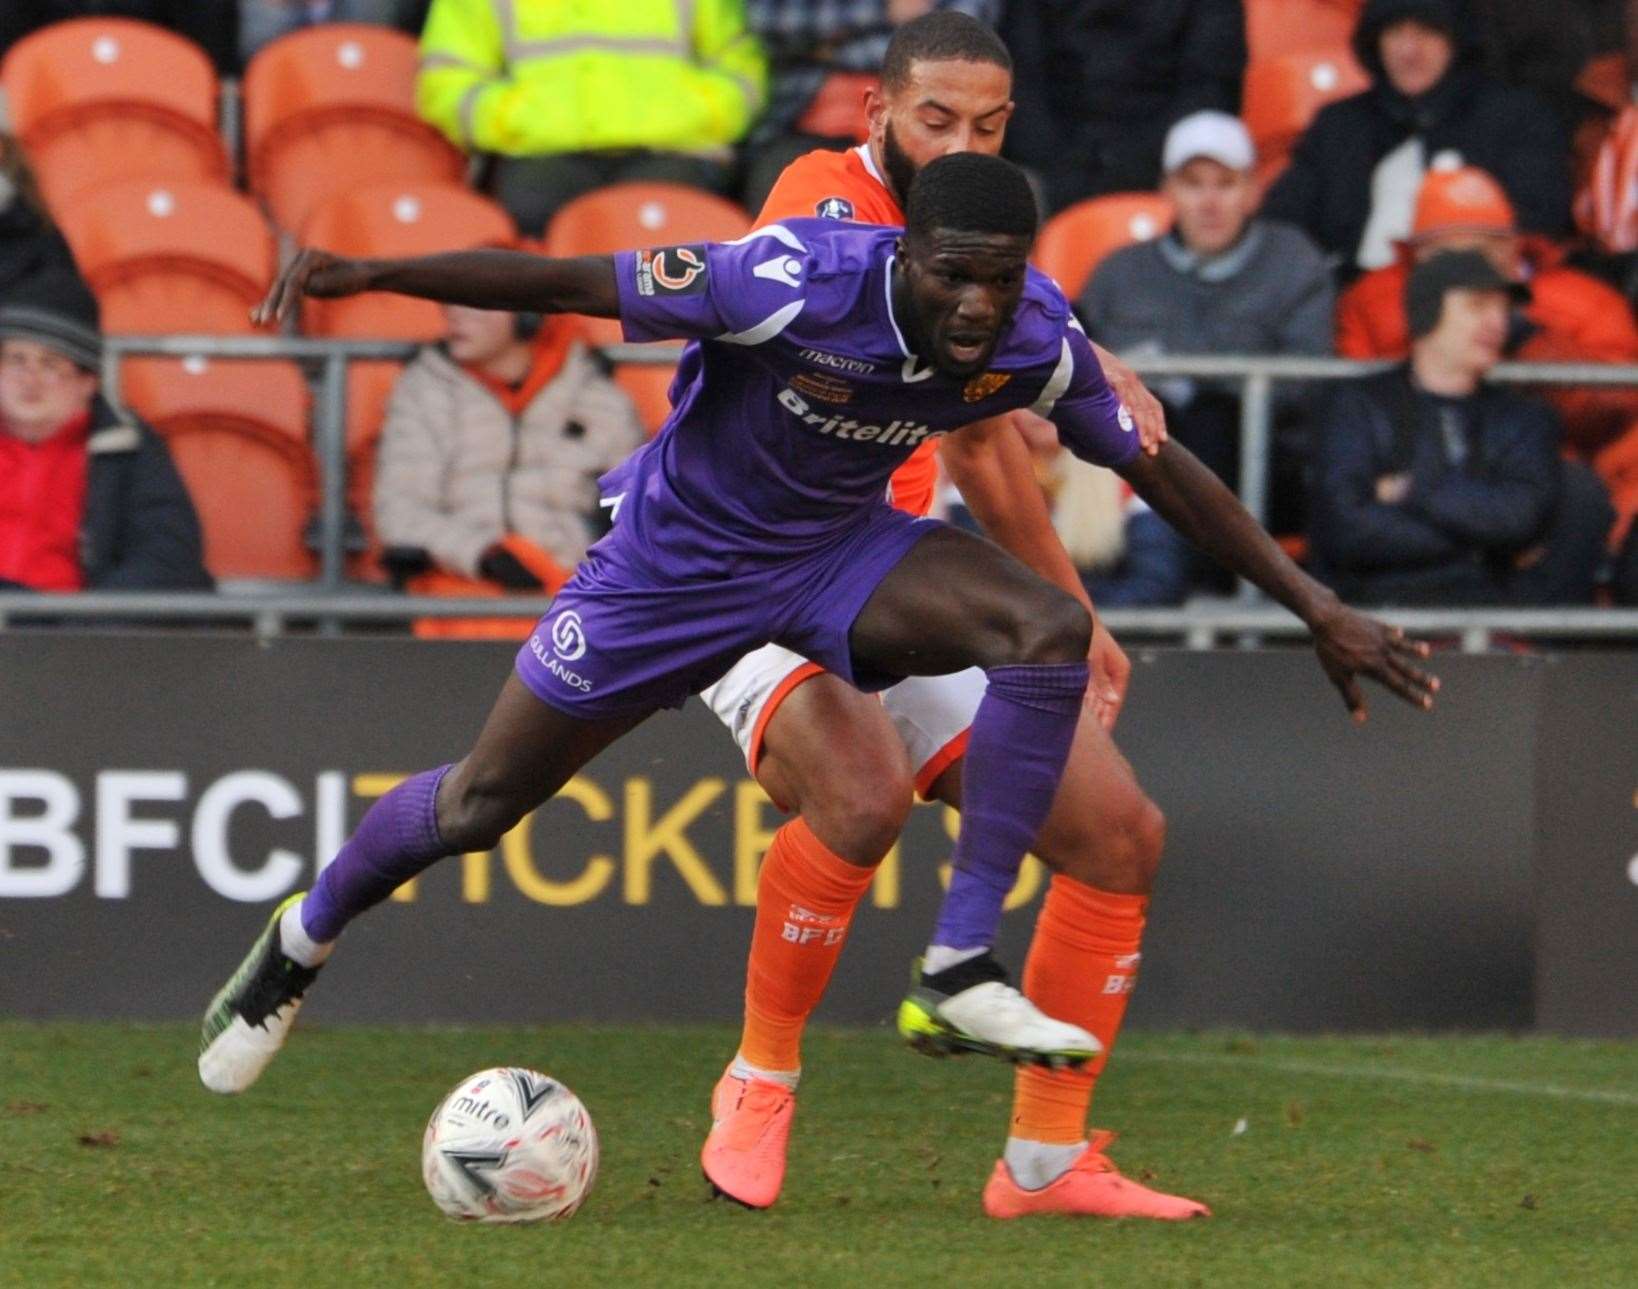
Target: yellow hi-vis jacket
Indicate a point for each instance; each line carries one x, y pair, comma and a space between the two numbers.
527, 77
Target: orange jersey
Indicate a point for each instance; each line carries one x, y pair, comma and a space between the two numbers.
846, 185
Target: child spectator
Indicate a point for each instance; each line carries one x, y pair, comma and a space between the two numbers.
490, 454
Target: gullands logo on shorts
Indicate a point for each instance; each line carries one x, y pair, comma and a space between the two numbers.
568, 644
568, 636
895, 434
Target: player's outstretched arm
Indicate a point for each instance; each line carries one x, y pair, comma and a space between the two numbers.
1194, 501
1145, 408
482, 279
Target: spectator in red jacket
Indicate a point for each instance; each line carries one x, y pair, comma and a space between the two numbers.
89, 498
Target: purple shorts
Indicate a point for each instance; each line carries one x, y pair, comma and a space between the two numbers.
623, 639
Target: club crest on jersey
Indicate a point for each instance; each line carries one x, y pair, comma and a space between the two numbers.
981, 387
834, 208
671, 270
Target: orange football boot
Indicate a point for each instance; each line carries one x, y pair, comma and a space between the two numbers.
1091, 1187
744, 1155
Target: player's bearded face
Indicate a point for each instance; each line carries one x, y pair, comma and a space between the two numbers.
963, 288
944, 106
901, 171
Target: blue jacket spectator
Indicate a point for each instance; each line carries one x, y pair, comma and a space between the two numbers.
1432, 487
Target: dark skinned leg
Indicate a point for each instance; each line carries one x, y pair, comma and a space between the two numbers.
526, 752
958, 601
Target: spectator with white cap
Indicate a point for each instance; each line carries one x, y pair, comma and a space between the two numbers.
1221, 282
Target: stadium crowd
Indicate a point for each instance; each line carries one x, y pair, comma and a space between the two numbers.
1444, 184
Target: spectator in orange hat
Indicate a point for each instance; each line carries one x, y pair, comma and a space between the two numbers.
1570, 316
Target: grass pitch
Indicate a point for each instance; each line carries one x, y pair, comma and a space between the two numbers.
1399, 1161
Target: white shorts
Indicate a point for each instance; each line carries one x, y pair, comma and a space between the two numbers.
933, 714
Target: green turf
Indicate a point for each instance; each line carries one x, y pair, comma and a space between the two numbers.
1405, 1161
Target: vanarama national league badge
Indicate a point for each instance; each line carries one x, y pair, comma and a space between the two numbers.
980, 387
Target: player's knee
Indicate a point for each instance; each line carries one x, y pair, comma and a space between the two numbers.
1056, 628
1144, 836
1117, 850
860, 814
475, 812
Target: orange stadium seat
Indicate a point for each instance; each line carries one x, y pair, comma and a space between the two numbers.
1275, 28
396, 220
1283, 94
238, 433
166, 256
623, 216
331, 108
100, 99
1076, 239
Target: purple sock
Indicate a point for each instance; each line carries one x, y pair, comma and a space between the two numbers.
1015, 757
397, 838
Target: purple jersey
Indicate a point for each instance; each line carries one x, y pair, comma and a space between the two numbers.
799, 397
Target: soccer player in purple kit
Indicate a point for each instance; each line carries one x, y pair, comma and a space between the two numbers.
758, 514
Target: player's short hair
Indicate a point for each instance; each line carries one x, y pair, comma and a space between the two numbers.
947, 35
969, 192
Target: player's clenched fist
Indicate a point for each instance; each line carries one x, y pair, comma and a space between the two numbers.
315, 273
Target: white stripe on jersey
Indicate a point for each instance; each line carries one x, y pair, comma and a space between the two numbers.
1058, 384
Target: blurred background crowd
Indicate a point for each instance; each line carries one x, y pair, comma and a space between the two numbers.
1444, 185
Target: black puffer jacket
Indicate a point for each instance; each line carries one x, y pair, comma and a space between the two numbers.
212, 24
1496, 503
1099, 82
1510, 132
140, 531
28, 247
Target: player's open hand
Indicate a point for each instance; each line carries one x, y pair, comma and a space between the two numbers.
1351, 645
316, 273
1111, 670
1135, 396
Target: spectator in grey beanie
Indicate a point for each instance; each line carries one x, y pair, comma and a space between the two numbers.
89, 497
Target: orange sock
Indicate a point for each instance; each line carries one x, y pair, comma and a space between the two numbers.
1081, 968
805, 901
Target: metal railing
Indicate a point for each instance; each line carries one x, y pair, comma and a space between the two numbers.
329, 600
1203, 624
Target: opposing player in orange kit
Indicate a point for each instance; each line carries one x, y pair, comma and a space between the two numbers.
847, 763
